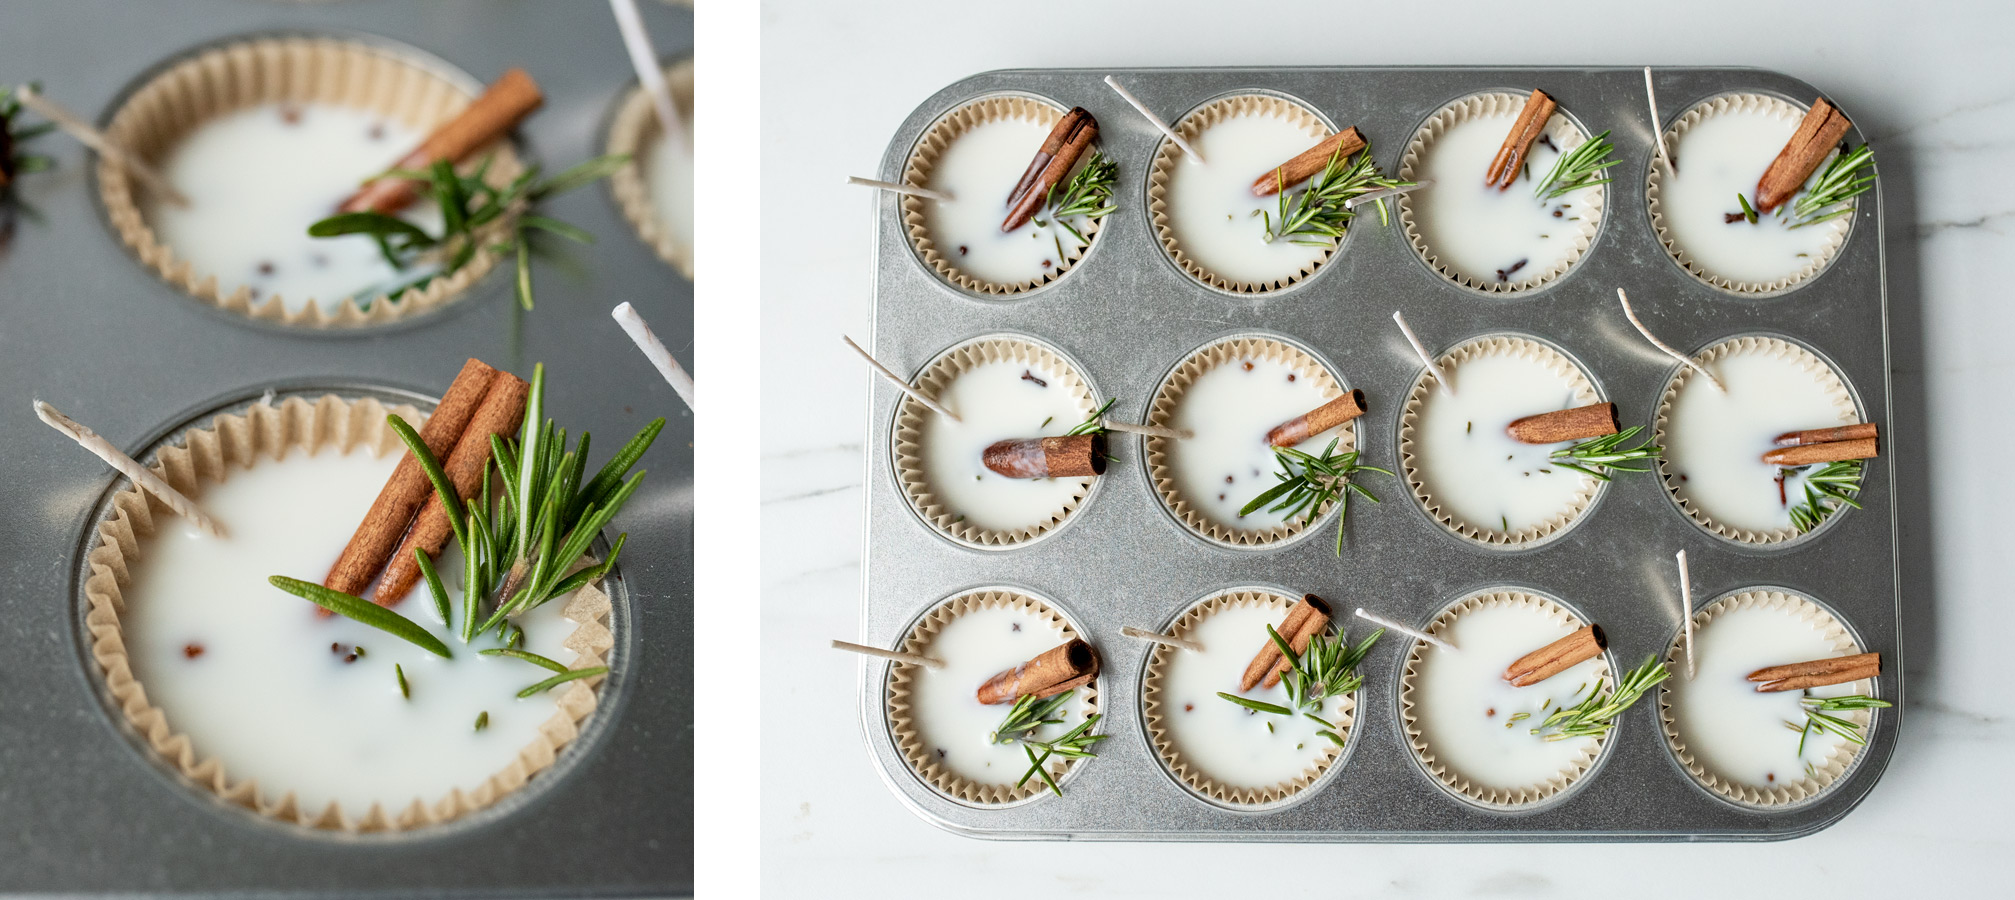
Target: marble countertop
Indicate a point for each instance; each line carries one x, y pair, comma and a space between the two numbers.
1934, 90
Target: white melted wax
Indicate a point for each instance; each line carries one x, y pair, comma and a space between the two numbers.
1493, 236
953, 726
1732, 730
998, 401
1477, 472
1721, 156
1714, 442
1211, 207
1230, 408
979, 169
1232, 744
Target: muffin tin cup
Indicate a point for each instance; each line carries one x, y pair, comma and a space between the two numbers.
634, 131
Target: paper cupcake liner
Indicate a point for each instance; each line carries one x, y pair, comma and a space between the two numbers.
910, 417
1167, 155
902, 724
1836, 230
1159, 736
1500, 798
1565, 134
634, 130
1409, 420
1836, 764
931, 146
209, 453
271, 70
1169, 396
1821, 372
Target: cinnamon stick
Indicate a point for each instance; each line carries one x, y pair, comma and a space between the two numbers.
371, 546
508, 100
1530, 124
1297, 620
1308, 162
1310, 627
1070, 456
1817, 673
1051, 145
1317, 420
1807, 454
502, 409
1060, 668
1586, 643
1826, 435
1059, 166
1579, 423
1818, 133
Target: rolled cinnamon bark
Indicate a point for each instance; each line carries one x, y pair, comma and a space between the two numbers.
1826, 435
1058, 137
503, 408
1807, 454
1310, 627
1058, 669
1058, 168
1308, 162
1070, 456
1817, 134
371, 546
1579, 423
1584, 644
1297, 620
1817, 673
1510, 158
1317, 420
508, 100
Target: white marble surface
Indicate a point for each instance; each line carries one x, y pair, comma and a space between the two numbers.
1932, 83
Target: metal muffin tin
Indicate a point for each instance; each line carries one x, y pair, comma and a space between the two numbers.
86, 326
1127, 313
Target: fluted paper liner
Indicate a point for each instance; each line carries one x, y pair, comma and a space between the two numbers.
209, 453
634, 130
1168, 155
1835, 765
270, 70
931, 146
1168, 398
1836, 388
910, 416
902, 724
1409, 420
1836, 230
1454, 781
1565, 134
1164, 745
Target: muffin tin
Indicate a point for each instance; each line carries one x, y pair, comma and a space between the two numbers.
91, 329
1127, 313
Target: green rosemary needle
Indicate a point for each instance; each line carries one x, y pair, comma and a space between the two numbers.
435, 588
13, 135
1075, 744
563, 678
1578, 168
1095, 424
1026, 715
1308, 483
1595, 715
1748, 212
361, 610
482, 720
1828, 488
1316, 215
405, 690
533, 658
1597, 457
1819, 717
1088, 194
1842, 181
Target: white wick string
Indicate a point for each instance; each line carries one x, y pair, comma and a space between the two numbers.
654, 350
1426, 359
76, 127
1155, 637
1414, 633
1180, 434
127, 466
904, 386
1684, 360
896, 655
644, 58
1651, 97
1154, 119
894, 188
1686, 601
1382, 193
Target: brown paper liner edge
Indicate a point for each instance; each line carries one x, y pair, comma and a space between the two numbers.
634, 128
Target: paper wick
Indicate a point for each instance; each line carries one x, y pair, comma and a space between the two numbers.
644, 58
904, 386
1154, 119
1414, 633
1155, 637
76, 127
1180, 434
654, 350
1382, 193
1657, 130
894, 188
1420, 349
127, 466
1684, 360
1686, 608
896, 655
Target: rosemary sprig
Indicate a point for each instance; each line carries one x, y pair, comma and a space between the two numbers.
1578, 168
1819, 717
1087, 194
1026, 715
1327, 668
1315, 215
563, 678
473, 215
1597, 457
1828, 489
1308, 483
1095, 424
362, 610
1594, 716
533, 658
1842, 181
1075, 744
13, 135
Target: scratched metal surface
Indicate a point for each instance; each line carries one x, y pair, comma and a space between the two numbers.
84, 807
1127, 314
